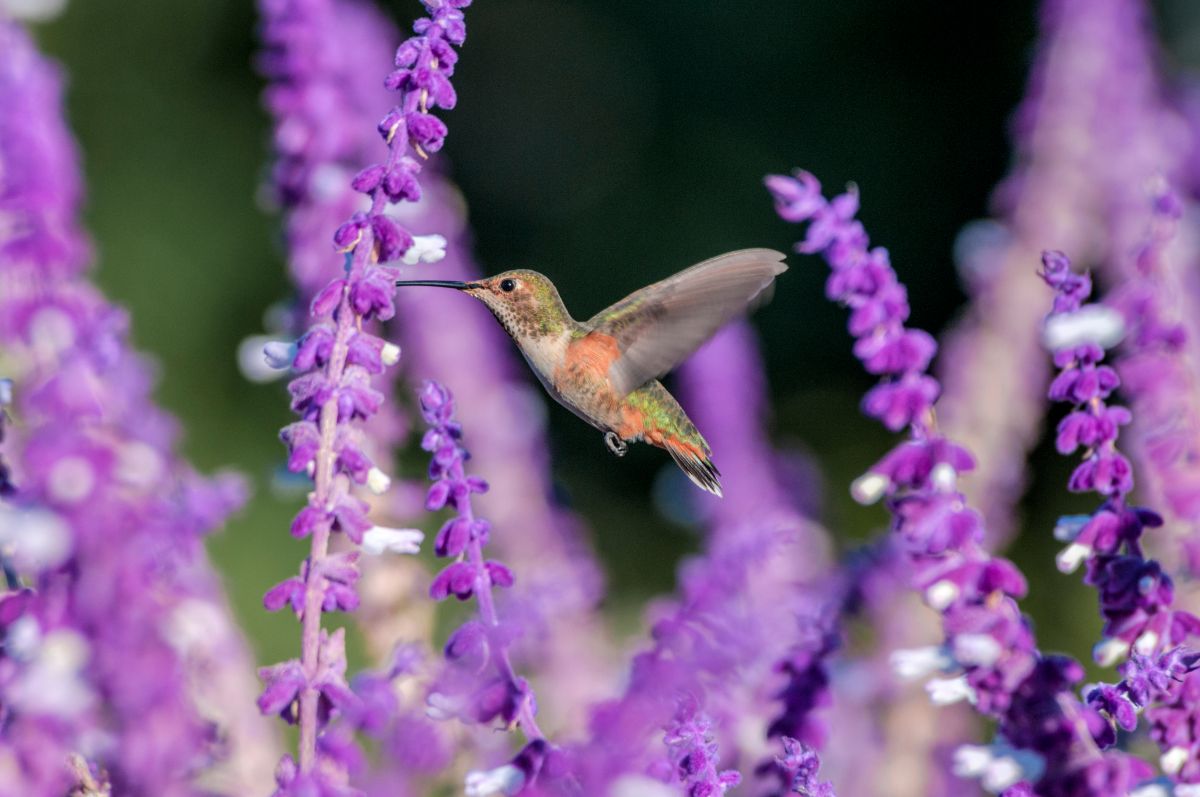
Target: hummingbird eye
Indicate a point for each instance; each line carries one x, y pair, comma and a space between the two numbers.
508, 285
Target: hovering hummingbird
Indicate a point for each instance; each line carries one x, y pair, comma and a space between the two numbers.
606, 369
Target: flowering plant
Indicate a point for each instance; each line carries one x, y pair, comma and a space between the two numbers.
419, 468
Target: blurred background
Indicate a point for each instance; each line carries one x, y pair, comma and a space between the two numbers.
607, 143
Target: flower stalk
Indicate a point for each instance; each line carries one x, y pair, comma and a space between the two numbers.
333, 396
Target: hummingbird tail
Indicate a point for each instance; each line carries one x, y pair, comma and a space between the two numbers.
696, 464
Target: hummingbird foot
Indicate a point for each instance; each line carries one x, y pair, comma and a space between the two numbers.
615, 443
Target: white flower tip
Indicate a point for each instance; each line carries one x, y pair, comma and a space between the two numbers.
24, 635
140, 465
71, 480
33, 10
378, 540
36, 539
390, 354
941, 594
912, 663
1157, 789
970, 760
997, 766
1146, 643
1109, 652
977, 249
640, 786
507, 780
976, 650
1069, 558
439, 706
1004, 772
1068, 527
944, 477
252, 359
378, 482
946, 691
194, 627
1173, 760
870, 487
6, 392
1092, 323
425, 249
279, 354
52, 682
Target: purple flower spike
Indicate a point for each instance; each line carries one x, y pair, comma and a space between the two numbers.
120, 664
307, 42
989, 652
480, 683
1136, 596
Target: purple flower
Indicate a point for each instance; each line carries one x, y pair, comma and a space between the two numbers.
989, 642
798, 768
692, 751
338, 355
113, 628
1136, 596
1093, 122
480, 683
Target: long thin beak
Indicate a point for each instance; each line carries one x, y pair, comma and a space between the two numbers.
458, 286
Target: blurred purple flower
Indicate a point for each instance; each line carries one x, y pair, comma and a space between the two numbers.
799, 766
692, 751
1093, 123
111, 611
1157, 364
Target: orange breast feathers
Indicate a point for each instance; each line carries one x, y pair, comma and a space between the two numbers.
589, 358
585, 370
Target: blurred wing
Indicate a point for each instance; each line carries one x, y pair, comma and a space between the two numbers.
657, 327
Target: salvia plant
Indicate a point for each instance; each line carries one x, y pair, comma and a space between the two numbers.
487, 665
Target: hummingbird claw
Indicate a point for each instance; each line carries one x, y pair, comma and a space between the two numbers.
615, 444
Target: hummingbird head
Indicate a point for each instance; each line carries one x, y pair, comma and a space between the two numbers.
525, 302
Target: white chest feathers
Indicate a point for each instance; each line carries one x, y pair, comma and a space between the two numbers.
546, 352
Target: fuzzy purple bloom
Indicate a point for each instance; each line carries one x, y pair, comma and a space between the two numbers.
798, 767
1156, 364
107, 585
692, 751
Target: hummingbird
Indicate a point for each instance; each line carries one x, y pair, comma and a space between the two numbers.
606, 369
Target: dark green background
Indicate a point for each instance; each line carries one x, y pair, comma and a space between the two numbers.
605, 142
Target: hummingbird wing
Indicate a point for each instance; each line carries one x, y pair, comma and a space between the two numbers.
657, 327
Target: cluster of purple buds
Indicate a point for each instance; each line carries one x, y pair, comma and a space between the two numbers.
864, 281
479, 684
989, 657
693, 754
425, 63
798, 768
1136, 595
